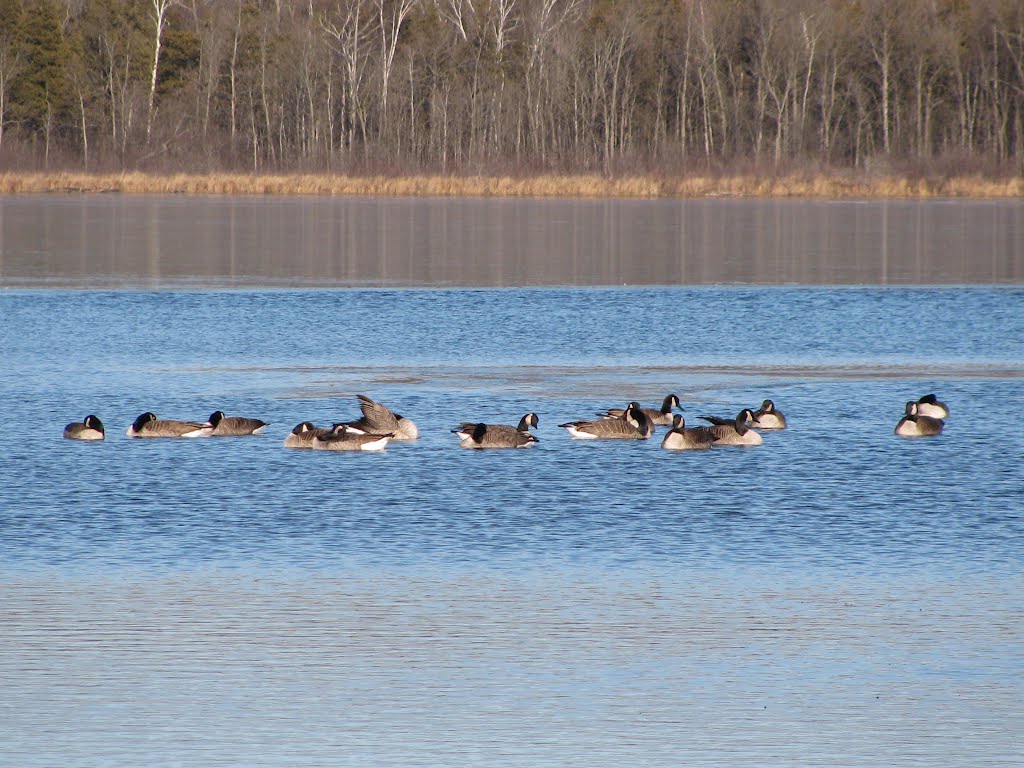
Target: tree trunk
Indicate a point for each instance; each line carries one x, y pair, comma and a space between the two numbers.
264, 101
390, 28
3, 105
882, 58
160, 8
233, 79
85, 133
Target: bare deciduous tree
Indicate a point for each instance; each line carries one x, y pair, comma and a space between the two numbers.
159, 19
391, 14
350, 26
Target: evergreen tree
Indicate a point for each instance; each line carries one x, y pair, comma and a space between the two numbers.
11, 56
39, 95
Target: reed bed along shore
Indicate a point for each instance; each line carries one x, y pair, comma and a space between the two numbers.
554, 186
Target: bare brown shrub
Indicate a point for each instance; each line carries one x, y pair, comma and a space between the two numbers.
795, 185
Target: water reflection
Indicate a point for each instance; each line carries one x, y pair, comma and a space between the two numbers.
160, 241
395, 669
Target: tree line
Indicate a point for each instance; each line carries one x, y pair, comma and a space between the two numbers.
470, 86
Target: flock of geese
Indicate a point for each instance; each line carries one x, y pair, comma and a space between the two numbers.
378, 425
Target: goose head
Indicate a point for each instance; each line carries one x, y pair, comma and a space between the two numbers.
529, 420
638, 418
143, 420
741, 420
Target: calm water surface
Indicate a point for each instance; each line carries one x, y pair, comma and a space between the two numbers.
837, 596
154, 241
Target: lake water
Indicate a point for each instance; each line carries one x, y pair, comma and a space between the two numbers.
163, 242
835, 597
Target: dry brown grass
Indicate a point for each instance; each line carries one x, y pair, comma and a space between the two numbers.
835, 185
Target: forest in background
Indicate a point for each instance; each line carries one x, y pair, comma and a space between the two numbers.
609, 87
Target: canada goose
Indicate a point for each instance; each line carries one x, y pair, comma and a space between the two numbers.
89, 428
928, 405
913, 424
634, 425
766, 417
220, 425
340, 438
148, 425
681, 438
302, 435
466, 428
734, 431
497, 435
661, 417
380, 420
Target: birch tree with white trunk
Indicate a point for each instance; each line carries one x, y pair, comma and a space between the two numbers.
349, 29
159, 19
391, 14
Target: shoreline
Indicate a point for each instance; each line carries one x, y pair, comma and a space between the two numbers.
588, 186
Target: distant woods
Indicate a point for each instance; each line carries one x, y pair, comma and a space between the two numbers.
516, 86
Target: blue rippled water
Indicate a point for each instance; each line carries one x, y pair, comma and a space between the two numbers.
836, 488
